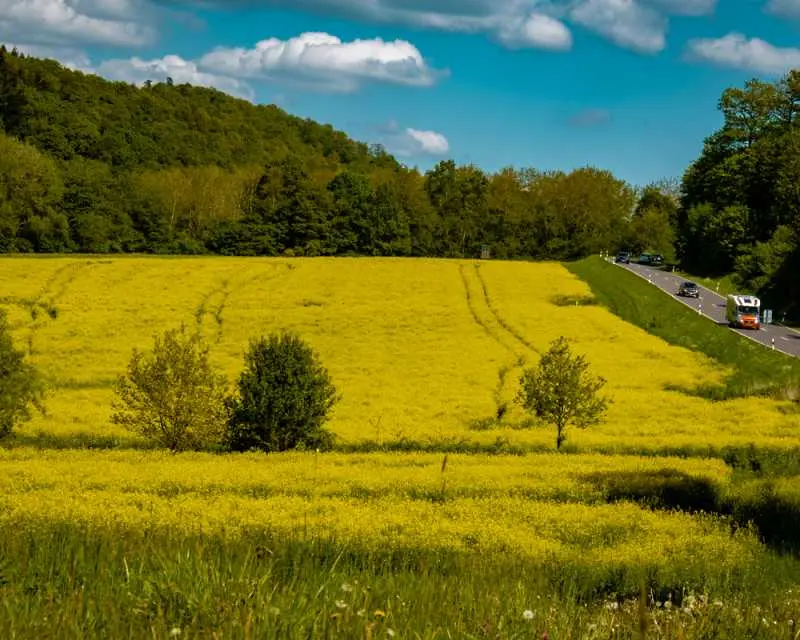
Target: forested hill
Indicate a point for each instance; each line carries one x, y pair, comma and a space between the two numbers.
70, 114
95, 166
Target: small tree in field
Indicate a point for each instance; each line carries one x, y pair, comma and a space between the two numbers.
20, 385
285, 395
173, 394
561, 391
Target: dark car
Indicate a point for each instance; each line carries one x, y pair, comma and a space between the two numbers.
688, 289
623, 257
656, 260
644, 258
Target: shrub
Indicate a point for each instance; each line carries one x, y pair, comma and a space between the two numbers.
20, 384
284, 397
173, 394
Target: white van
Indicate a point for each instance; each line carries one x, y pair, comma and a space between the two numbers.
743, 312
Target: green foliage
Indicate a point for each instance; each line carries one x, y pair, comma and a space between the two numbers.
561, 390
169, 168
740, 208
20, 385
285, 396
267, 587
173, 394
756, 371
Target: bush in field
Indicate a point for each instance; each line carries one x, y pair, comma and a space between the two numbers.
20, 385
561, 391
284, 397
173, 394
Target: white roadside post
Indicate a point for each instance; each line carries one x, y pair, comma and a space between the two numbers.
700, 309
773, 343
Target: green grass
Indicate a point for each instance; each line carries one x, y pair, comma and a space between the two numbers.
65, 582
755, 369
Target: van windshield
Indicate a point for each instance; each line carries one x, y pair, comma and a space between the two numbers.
750, 311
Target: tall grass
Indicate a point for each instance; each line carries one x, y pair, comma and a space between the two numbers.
755, 370
67, 582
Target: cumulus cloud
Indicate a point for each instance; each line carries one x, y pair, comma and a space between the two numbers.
409, 142
326, 61
627, 23
317, 61
73, 22
68, 56
428, 142
784, 8
138, 71
637, 24
737, 51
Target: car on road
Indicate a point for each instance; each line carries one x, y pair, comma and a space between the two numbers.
688, 289
623, 257
656, 260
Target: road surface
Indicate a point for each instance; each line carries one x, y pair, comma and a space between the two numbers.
713, 306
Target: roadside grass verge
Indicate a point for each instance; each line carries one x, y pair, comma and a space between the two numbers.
756, 370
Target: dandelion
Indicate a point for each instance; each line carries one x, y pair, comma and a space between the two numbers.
528, 614
390, 633
340, 604
174, 632
347, 588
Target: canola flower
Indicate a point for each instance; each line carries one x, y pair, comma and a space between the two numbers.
538, 507
414, 346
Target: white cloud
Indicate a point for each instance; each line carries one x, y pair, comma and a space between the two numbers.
636, 24
625, 22
784, 8
68, 56
411, 143
737, 51
137, 71
428, 142
324, 60
72, 22
536, 30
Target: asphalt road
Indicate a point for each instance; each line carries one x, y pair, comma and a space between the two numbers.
712, 306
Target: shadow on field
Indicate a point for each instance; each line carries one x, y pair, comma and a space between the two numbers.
660, 489
44, 440
774, 515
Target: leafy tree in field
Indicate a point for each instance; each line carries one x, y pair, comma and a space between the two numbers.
285, 396
173, 394
20, 385
561, 391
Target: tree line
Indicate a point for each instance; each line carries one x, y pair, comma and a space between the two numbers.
88, 165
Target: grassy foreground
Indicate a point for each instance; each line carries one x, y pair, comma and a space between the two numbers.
69, 582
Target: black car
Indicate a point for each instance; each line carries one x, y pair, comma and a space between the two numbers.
656, 260
688, 289
623, 257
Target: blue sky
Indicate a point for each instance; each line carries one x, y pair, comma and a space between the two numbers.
626, 85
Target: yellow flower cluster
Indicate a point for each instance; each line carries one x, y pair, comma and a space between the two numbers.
414, 346
540, 507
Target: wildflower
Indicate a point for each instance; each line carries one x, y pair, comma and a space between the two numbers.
347, 588
174, 632
528, 614
668, 605
718, 603
361, 613
340, 604
390, 633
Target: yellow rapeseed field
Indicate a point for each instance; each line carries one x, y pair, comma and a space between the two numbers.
538, 507
414, 346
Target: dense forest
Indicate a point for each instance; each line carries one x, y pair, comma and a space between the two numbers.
740, 203
88, 165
